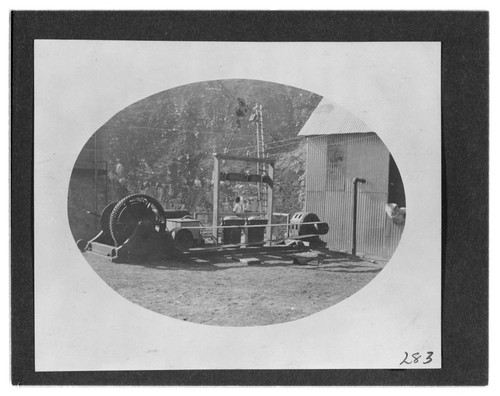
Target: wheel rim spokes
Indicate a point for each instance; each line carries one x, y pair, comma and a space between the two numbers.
133, 210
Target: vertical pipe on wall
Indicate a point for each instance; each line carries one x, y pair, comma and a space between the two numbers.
355, 181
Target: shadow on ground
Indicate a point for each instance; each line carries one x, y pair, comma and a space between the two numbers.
331, 262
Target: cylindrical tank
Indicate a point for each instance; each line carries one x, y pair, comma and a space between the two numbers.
256, 234
231, 236
297, 228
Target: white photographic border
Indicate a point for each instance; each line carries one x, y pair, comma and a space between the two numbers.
81, 324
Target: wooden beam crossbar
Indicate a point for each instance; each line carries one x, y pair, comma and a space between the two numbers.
244, 158
246, 178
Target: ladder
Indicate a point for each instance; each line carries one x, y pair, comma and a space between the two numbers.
261, 153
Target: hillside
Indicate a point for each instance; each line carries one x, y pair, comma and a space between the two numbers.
163, 145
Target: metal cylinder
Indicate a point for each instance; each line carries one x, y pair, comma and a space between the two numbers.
232, 236
256, 234
307, 223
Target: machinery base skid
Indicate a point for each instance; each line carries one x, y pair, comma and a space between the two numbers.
137, 228
144, 244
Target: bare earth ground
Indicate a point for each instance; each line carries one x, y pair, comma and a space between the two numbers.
221, 290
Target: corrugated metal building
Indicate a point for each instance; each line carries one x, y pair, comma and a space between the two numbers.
340, 147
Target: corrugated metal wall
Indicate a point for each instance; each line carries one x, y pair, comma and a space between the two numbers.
333, 161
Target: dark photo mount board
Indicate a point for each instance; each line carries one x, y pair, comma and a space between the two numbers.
465, 95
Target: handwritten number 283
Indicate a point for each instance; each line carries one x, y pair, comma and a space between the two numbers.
415, 358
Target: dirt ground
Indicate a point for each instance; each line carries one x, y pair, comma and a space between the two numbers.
221, 290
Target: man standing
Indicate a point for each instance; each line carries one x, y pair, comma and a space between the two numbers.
238, 209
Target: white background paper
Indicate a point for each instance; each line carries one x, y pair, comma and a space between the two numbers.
82, 324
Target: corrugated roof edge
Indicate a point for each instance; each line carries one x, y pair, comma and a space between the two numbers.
330, 118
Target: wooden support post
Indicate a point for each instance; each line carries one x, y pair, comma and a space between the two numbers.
288, 227
270, 192
215, 178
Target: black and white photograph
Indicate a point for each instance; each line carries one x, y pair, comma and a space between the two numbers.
217, 199
212, 207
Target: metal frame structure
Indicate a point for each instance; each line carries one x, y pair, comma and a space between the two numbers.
150, 238
243, 178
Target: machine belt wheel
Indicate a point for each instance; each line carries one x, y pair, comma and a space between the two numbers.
131, 210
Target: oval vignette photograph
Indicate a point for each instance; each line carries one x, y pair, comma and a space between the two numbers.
236, 203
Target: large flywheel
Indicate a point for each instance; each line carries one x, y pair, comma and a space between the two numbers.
132, 210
